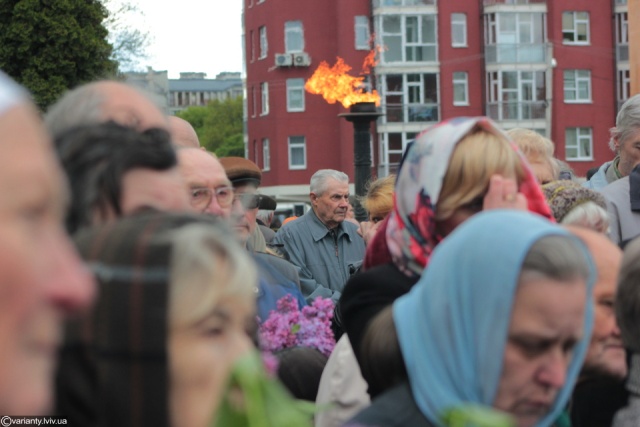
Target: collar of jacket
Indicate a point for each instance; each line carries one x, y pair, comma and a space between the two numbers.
319, 230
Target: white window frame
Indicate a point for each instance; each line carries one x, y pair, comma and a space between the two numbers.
266, 155
294, 145
502, 97
459, 21
576, 21
264, 90
579, 81
254, 101
462, 79
412, 97
362, 34
582, 134
402, 36
292, 86
291, 29
264, 42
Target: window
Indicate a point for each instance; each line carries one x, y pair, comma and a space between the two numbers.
458, 30
624, 86
264, 88
295, 94
264, 46
622, 36
410, 97
516, 95
293, 37
515, 37
254, 104
575, 27
266, 155
252, 46
460, 88
577, 86
297, 152
362, 32
409, 38
578, 144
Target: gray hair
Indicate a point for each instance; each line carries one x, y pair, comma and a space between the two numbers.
319, 180
627, 122
207, 264
588, 214
80, 106
555, 257
628, 297
265, 215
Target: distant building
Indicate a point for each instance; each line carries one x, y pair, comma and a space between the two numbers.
154, 83
559, 67
195, 89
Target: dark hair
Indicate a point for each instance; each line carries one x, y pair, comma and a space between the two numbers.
383, 366
300, 369
96, 158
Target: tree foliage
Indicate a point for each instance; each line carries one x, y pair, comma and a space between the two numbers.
50, 46
130, 42
219, 126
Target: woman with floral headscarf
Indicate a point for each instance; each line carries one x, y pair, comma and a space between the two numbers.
501, 319
452, 171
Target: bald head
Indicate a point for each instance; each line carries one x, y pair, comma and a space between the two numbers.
102, 101
182, 133
606, 354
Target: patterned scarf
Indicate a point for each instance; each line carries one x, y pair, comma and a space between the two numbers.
408, 235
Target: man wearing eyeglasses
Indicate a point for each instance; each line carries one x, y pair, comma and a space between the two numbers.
210, 190
235, 198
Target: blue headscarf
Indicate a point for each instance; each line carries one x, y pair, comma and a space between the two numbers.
452, 327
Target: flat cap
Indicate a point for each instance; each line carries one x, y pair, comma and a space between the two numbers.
240, 170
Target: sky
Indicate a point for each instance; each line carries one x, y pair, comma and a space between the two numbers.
192, 35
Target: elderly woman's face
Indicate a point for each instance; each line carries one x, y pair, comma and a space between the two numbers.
629, 151
546, 323
201, 358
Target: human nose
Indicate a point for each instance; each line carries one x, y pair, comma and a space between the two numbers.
553, 373
214, 207
69, 284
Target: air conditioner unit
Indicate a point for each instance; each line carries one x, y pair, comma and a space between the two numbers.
301, 59
283, 60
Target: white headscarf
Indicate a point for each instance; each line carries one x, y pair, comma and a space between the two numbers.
11, 93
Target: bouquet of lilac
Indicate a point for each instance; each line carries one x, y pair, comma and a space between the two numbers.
289, 327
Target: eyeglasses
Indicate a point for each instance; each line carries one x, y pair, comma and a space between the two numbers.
248, 201
201, 197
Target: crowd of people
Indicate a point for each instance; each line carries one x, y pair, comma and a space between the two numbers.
140, 277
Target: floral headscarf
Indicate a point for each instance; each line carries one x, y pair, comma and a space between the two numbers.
410, 234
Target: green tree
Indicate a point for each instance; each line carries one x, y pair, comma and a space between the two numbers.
50, 46
219, 126
130, 42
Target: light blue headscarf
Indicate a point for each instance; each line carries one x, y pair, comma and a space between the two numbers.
453, 325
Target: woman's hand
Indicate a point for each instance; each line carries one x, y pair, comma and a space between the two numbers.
368, 229
503, 194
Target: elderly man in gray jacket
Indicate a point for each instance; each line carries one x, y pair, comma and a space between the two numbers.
325, 246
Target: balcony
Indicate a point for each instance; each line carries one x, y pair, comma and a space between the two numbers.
507, 53
395, 3
529, 110
622, 52
413, 113
508, 2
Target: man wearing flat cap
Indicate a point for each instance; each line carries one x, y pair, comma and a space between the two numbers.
245, 176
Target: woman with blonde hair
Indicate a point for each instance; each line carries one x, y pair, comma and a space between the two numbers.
176, 299
378, 202
452, 171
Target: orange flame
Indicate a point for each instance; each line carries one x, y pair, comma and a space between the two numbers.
334, 84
